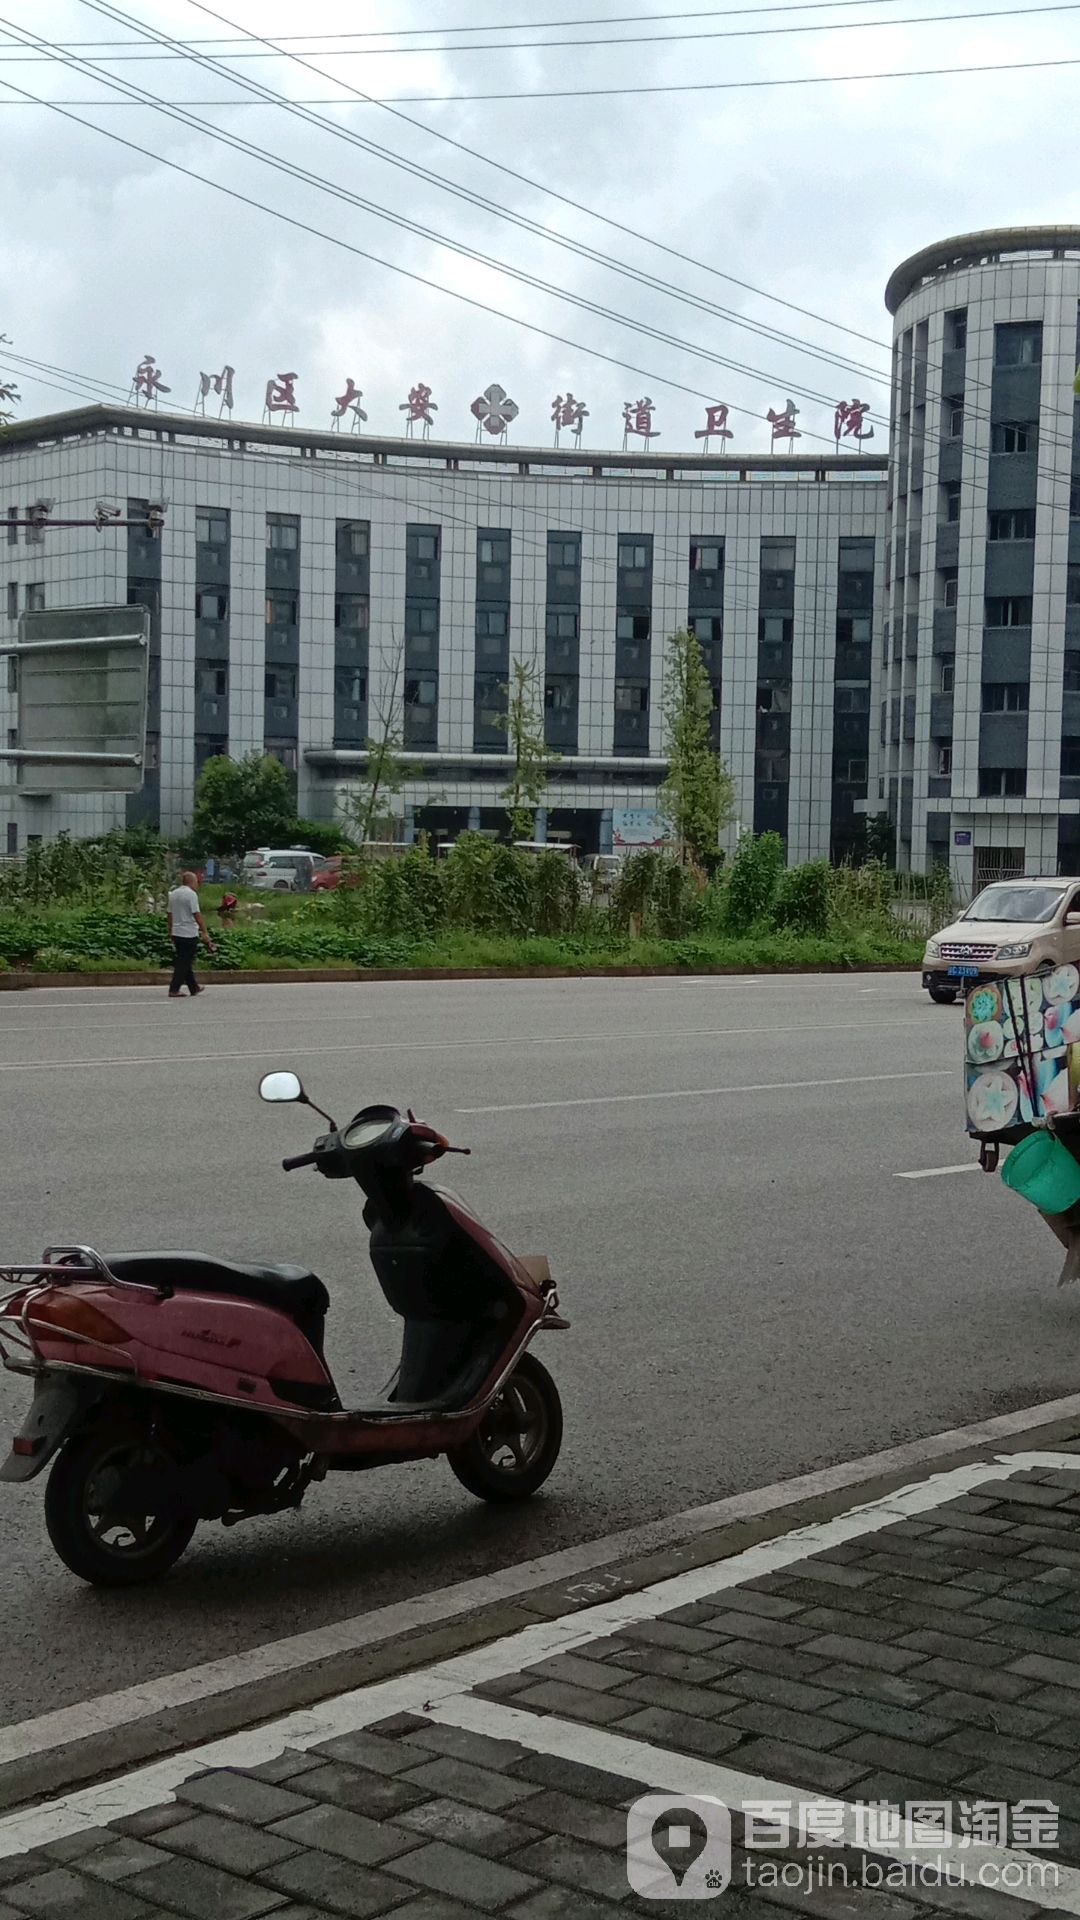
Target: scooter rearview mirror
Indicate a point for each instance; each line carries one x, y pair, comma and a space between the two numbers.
281, 1086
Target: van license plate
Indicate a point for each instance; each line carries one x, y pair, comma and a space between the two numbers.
963, 973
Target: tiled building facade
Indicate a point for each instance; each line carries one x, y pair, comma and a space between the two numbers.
898, 635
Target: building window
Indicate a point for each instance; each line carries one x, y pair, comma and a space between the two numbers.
633, 626
1018, 344
950, 586
421, 692
1004, 696
1013, 437
350, 684
1002, 782
494, 550
953, 410
490, 620
213, 681
956, 328
633, 555
631, 698
280, 610
947, 676
211, 529
1072, 587
421, 619
952, 504
706, 557
213, 605
1010, 610
13, 526
355, 539
851, 773
1070, 756
280, 684
944, 758
562, 625
706, 627
351, 613
852, 699
282, 533
1017, 523
35, 596
564, 553
1071, 675
559, 696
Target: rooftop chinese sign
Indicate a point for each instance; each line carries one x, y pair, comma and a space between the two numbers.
494, 412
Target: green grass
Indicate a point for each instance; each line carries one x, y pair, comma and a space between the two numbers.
98, 942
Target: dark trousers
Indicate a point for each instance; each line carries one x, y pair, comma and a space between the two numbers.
184, 968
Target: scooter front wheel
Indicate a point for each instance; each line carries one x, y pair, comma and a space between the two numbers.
517, 1442
106, 1548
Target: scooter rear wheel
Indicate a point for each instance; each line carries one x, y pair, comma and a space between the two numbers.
109, 1550
517, 1442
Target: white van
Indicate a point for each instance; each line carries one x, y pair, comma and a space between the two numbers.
281, 869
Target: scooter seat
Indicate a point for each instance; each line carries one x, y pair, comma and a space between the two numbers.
293, 1290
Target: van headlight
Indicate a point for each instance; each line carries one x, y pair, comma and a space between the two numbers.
933, 950
1017, 950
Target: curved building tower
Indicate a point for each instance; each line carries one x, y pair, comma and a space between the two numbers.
979, 667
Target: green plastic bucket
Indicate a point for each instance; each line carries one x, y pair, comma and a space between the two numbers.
1044, 1172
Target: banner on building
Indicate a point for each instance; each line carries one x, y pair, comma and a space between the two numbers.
634, 829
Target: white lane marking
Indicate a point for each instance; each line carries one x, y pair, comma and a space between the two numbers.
708, 1093
665, 1771
937, 1173
426, 1689
452, 1046
152, 1698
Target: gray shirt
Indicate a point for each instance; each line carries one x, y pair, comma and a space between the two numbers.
184, 905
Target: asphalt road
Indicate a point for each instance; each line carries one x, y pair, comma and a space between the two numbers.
711, 1166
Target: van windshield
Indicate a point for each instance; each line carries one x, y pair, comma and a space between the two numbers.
1012, 902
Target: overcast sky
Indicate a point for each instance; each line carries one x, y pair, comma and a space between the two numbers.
811, 193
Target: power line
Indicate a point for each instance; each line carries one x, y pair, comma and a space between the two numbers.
111, 11
636, 40
699, 86
361, 253
527, 26
336, 192
293, 171
526, 180
525, 222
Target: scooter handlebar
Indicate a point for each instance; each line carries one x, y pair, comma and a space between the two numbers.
299, 1160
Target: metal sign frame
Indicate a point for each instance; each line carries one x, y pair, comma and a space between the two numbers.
121, 631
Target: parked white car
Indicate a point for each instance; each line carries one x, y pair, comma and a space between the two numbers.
281, 869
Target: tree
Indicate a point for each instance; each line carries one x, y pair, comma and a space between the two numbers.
523, 723
241, 804
364, 807
698, 794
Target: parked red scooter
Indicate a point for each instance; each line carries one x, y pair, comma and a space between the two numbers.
174, 1387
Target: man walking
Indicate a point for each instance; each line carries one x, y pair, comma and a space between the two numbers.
186, 928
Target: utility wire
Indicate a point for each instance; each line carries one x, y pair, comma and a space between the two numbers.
529, 26
361, 253
636, 40
108, 9
293, 171
472, 198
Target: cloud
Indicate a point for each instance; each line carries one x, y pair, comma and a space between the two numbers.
813, 193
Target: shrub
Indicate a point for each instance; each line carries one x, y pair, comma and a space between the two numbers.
752, 880
802, 898
557, 893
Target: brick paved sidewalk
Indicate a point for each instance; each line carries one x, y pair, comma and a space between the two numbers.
935, 1659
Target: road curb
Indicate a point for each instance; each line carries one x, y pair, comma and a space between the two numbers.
110, 1735
17, 982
